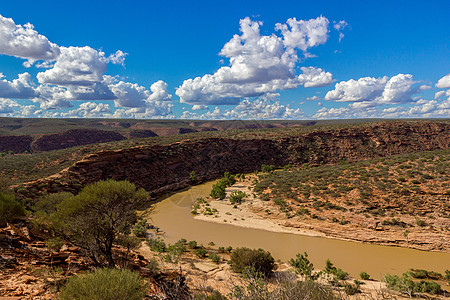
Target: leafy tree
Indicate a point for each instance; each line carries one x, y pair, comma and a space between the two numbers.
218, 189
94, 219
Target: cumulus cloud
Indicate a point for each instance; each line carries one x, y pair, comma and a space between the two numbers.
7, 106
76, 66
89, 110
315, 77
304, 34
262, 108
20, 88
25, 42
421, 109
259, 64
444, 82
397, 89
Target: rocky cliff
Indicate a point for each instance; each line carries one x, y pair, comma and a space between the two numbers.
74, 137
15, 143
165, 168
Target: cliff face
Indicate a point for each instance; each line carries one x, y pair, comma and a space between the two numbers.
166, 168
74, 137
15, 143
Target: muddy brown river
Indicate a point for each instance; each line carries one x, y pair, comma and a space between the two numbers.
172, 215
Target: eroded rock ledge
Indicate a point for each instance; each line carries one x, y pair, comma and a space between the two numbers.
161, 169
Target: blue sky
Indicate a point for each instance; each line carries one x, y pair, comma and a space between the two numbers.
225, 59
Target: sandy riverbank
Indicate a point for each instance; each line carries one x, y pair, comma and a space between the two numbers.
257, 214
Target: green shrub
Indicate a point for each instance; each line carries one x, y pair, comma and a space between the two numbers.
267, 168
140, 229
364, 276
153, 266
351, 289
10, 208
157, 245
406, 285
262, 261
193, 177
54, 243
236, 197
105, 284
202, 253
424, 274
192, 244
337, 272
304, 267
214, 257
218, 189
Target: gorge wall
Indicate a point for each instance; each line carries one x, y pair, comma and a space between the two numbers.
160, 169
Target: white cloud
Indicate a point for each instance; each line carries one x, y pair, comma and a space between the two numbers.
339, 26
20, 88
313, 98
366, 88
304, 34
315, 77
421, 109
259, 64
140, 102
441, 94
7, 106
259, 109
397, 89
89, 110
444, 82
199, 107
76, 66
25, 42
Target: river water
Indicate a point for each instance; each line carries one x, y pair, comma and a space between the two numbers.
172, 215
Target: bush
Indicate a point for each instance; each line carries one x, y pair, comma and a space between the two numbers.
192, 244
153, 266
236, 197
157, 245
262, 261
304, 267
267, 168
140, 229
105, 284
201, 252
406, 285
214, 257
364, 276
331, 269
351, 289
193, 177
10, 208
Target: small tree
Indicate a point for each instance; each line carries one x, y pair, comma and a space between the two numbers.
256, 259
304, 267
95, 218
193, 177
